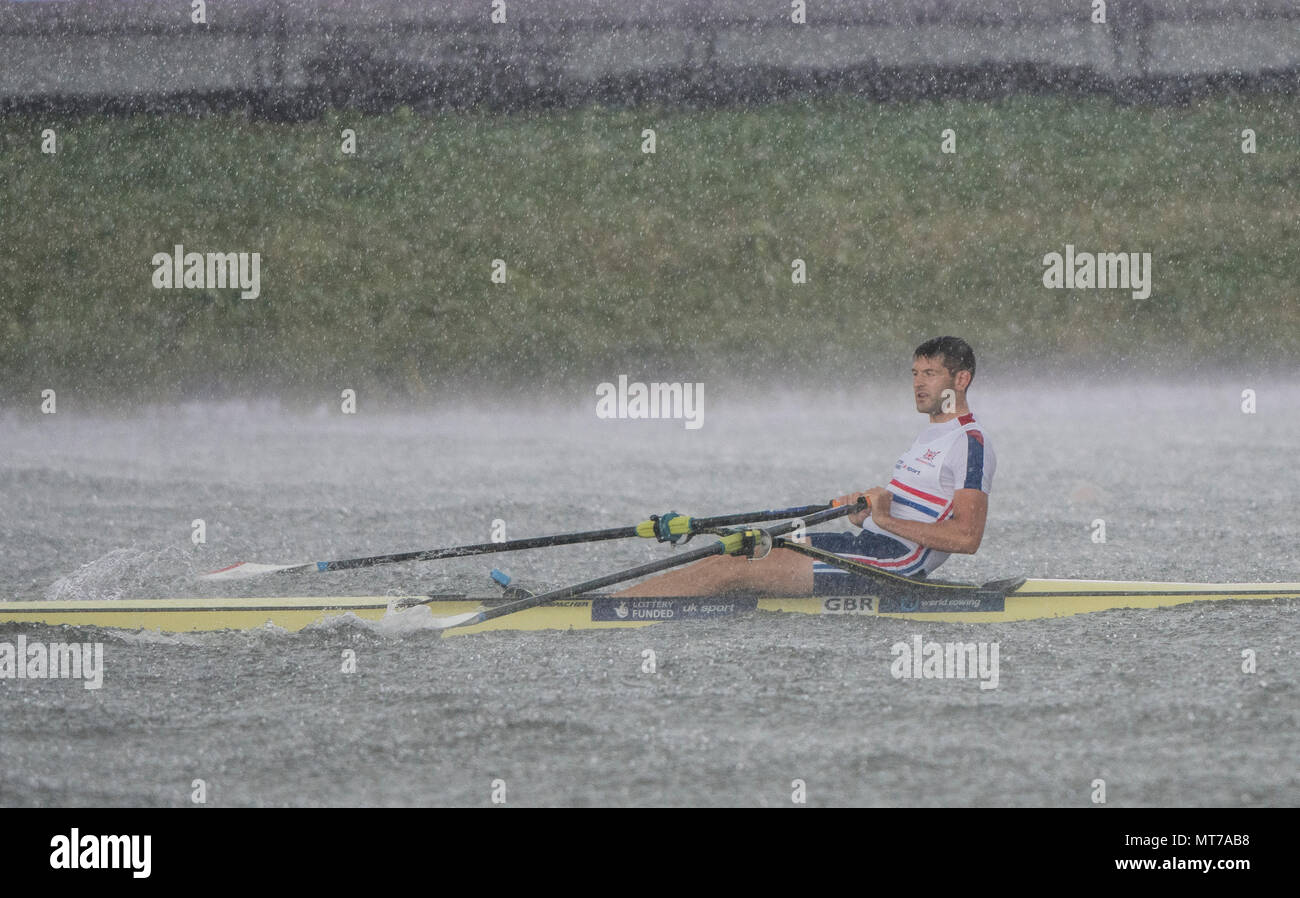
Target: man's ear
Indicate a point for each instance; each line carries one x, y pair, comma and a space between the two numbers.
962, 380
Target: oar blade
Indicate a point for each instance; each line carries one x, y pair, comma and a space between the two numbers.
457, 620
245, 570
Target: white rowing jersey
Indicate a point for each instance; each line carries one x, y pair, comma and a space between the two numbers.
947, 457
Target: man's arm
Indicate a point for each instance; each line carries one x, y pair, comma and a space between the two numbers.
961, 533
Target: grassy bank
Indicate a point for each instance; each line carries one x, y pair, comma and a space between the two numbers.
375, 268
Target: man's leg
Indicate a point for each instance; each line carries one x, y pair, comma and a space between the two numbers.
781, 573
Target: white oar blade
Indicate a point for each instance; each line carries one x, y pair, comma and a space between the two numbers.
456, 620
246, 569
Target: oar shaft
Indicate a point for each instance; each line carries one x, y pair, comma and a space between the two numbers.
641, 570
534, 542
728, 544
753, 517
671, 527
561, 539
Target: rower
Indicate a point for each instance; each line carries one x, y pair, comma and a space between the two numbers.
935, 504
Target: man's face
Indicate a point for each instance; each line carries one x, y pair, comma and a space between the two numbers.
929, 379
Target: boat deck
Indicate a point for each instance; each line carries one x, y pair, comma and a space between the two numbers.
1034, 599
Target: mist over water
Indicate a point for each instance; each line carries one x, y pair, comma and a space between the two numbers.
1189, 487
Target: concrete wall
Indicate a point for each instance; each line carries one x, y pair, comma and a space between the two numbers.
126, 48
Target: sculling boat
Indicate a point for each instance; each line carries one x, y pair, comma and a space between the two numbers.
1026, 600
583, 606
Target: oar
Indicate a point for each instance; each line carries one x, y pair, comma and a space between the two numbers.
728, 544
668, 527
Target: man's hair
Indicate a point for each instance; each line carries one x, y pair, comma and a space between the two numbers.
954, 351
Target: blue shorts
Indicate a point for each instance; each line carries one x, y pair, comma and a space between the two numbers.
829, 580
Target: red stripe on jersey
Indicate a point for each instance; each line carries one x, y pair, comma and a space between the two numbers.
915, 492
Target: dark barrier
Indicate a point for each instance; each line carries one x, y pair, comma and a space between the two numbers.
293, 58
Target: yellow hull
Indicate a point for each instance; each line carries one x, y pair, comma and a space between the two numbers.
1035, 599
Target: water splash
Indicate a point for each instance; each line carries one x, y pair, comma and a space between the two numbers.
395, 624
121, 573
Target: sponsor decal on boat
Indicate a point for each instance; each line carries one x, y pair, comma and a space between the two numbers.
615, 609
849, 605
963, 601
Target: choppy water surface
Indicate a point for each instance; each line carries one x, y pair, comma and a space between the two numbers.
1153, 702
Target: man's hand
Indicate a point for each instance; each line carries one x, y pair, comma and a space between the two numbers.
852, 499
880, 499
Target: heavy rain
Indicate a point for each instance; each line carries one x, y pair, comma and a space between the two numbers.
309, 284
